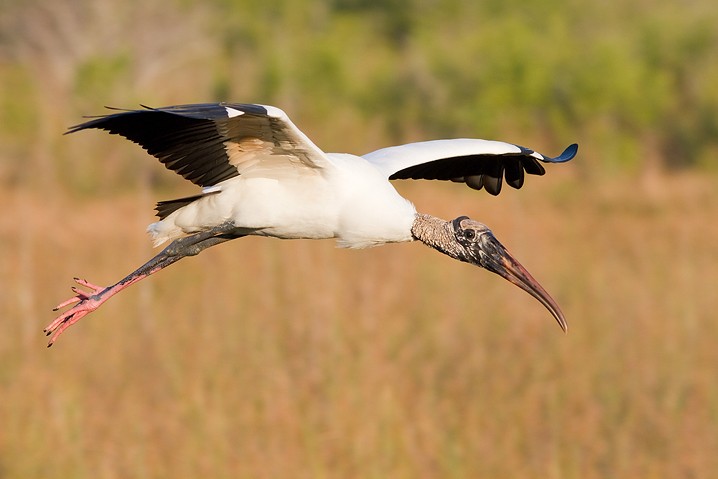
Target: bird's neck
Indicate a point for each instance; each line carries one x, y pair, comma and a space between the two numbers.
436, 233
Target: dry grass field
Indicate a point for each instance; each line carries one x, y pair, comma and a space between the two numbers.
271, 359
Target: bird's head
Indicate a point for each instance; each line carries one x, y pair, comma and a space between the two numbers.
475, 243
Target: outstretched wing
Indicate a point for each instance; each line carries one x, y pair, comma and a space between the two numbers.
212, 142
478, 163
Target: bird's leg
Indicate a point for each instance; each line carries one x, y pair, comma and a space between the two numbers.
88, 301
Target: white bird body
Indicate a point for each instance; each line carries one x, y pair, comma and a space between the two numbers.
349, 200
260, 175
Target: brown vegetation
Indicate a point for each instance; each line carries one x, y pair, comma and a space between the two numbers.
265, 358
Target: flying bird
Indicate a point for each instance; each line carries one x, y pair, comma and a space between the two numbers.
260, 175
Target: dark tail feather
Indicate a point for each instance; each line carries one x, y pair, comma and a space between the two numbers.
166, 208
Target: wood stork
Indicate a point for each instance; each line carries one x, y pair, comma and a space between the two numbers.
260, 175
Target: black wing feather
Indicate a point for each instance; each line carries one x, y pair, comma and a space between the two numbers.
514, 172
493, 176
189, 139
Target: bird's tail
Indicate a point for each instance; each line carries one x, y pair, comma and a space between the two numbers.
162, 231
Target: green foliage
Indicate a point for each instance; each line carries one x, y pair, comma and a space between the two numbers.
629, 81
97, 77
16, 119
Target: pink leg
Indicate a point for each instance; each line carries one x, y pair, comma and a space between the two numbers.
88, 301
81, 295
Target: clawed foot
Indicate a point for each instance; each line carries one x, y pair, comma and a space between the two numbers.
87, 302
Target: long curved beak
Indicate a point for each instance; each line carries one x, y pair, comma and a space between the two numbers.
496, 258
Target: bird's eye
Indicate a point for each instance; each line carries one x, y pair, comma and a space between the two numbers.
470, 234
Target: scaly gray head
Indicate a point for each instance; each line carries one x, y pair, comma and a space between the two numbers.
473, 242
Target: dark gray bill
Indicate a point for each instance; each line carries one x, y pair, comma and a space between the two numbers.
494, 257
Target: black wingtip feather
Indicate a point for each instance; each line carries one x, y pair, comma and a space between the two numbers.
514, 173
493, 177
475, 182
532, 166
568, 154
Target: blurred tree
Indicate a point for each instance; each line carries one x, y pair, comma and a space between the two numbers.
640, 85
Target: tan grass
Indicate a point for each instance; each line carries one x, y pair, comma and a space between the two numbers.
271, 359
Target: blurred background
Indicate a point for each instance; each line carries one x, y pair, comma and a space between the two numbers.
271, 359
